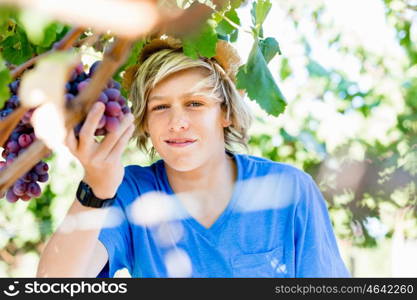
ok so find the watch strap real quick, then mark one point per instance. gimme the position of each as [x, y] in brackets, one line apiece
[86, 197]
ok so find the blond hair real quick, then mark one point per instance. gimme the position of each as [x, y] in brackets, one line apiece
[169, 61]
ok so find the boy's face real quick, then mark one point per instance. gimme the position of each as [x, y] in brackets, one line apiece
[186, 127]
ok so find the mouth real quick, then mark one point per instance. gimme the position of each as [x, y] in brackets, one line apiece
[180, 142]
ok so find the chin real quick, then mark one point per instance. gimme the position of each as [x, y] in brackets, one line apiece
[183, 163]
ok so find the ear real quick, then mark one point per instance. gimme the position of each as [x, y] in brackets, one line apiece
[145, 127]
[226, 122]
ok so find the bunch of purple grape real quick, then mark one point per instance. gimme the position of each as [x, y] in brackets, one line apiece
[27, 187]
[116, 104]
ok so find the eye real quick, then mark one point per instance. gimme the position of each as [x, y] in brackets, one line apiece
[159, 107]
[195, 104]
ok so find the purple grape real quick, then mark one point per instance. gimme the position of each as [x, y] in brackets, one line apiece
[26, 117]
[11, 197]
[43, 177]
[103, 98]
[31, 176]
[41, 168]
[33, 190]
[68, 87]
[73, 76]
[10, 158]
[4, 113]
[102, 122]
[122, 101]
[69, 97]
[100, 131]
[21, 151]
[14, 136]
[2, 165]
[20, 187]
[112, 124]
[13, 102]
[93, 68]
[112, 94]
[74, 89]
[26, 197]
[113, 109]
[4, 153]
[79, 69]
[77, 129]
[82, 85]
[14, 86]
[81, 77]
[126, 109]
[116, 85]
[24, 140]
[12, 146]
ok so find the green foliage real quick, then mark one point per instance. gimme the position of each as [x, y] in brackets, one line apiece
[269, 48]
[16, 48]
[259, 12]
[202, 43]
[258, 82]
[4, 81]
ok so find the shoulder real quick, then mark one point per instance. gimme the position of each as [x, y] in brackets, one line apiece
[269, 184]
[259, 166]
[138, 180]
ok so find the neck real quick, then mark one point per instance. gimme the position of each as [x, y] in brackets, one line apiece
[217, 173]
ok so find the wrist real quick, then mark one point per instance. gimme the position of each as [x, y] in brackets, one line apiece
[98, 190]
[86, 197]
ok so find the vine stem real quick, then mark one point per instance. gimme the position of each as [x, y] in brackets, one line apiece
[233, 24]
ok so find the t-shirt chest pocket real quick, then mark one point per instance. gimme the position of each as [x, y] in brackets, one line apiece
[263, 264]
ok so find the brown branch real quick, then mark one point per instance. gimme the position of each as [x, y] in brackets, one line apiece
[22, 164]
[112, 60]
[66, 43]
[7, 125]
[69, 39]
[78, 108]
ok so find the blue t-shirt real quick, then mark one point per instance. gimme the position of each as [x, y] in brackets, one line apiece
[275, 225]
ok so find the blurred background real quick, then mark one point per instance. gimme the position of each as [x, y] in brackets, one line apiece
[348, 70]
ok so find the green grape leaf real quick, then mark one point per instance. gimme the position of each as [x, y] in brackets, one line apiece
[16, 49]
[224, 27]
[316, 70]
[259, 12]
[234, 36]
[5, 79]
[133, 56]
[258, 82]
[269, 48]
[201, 44]
[285, 70]
[49, 36]
[7, 28]
[236, 3]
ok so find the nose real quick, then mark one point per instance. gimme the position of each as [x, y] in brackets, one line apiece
[178, 121]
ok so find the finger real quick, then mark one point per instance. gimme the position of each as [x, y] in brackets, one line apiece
[71, 141]
[90, 125]
[111, 138]
[121, 143]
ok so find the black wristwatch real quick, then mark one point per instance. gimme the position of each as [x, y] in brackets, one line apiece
[87, 198]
